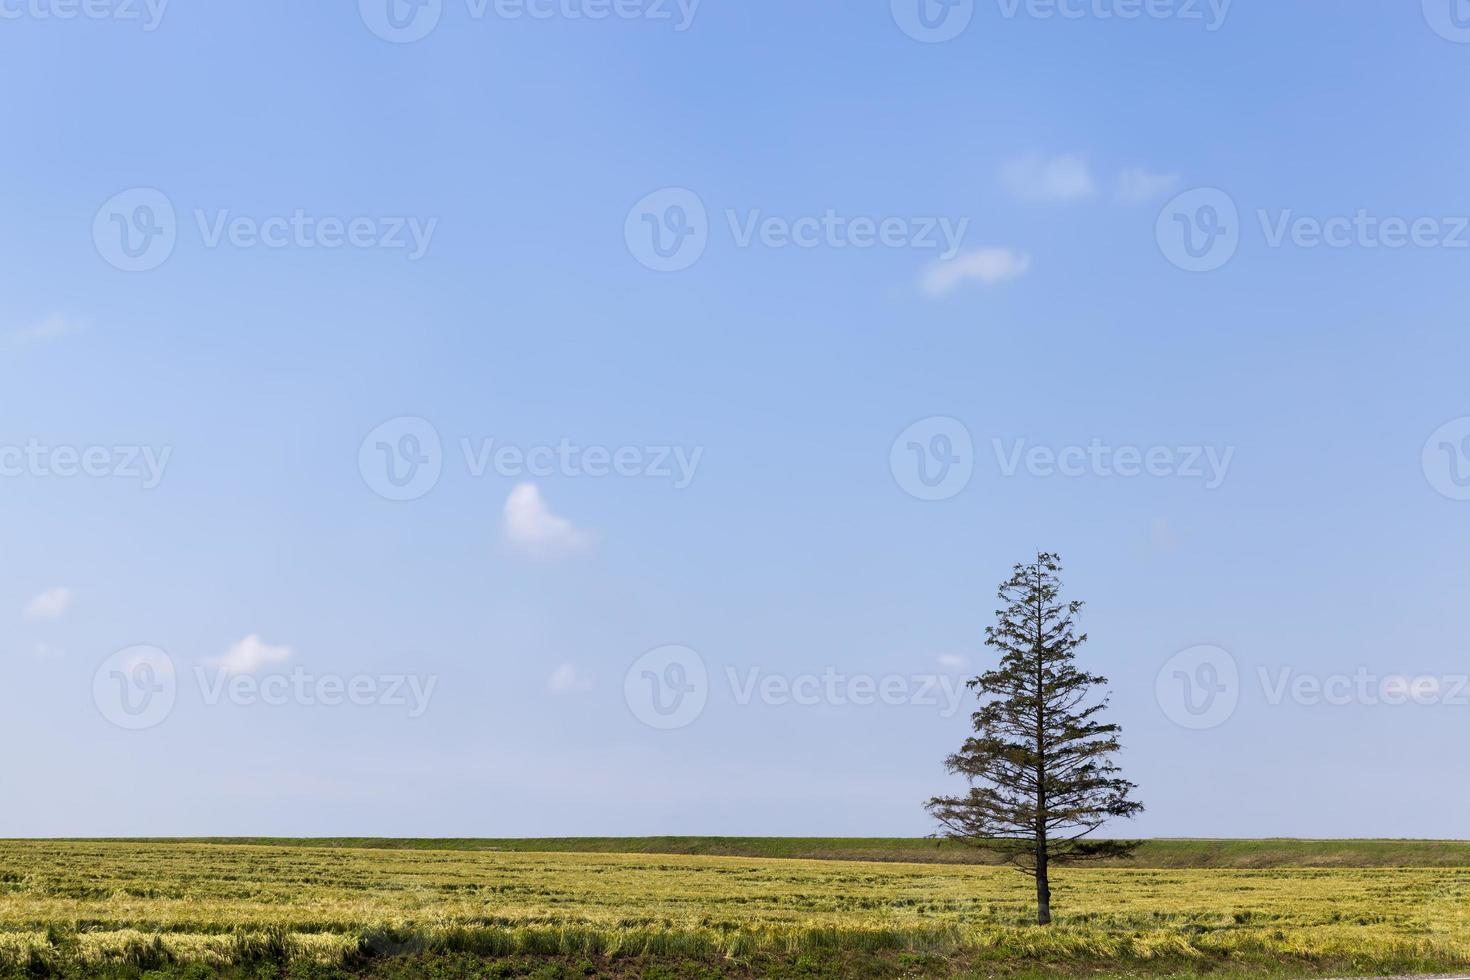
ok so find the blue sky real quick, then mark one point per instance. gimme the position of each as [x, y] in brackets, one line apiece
[242, 402]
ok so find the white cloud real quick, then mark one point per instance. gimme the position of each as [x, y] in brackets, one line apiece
[1138, 186]
[49, 328]
[953, 661]
[566, 679]
[49, 604]
[249, 655]
[1037, 179]
[986, 265]
[533, 528]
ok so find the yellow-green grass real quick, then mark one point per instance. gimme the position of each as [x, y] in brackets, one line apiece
[1176, 853]
[99, 903]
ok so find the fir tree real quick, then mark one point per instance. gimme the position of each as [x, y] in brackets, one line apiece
[1040, 761]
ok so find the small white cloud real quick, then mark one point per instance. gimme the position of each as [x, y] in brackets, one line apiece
[566, 679]
[249, 655]
[533, 528]
[1038, 179]
[986, 265]
[44, 651]
[50, 328]
[1138, 186]
[49, 604]
[953, 661]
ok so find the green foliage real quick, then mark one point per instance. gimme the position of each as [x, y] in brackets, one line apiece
[1040, 761]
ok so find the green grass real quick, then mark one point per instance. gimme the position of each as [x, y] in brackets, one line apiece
[179, 910]
[1181, 853]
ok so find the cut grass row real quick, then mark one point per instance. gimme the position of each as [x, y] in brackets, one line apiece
[1174, 853]
[107, 907]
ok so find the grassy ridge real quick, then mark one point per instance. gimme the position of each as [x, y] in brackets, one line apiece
[1173, 853]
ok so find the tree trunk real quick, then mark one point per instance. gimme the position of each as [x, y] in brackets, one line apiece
[1043, 883]
[1043, 889]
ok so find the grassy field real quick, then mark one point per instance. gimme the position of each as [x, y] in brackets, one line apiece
[257, 910]
[918, 850]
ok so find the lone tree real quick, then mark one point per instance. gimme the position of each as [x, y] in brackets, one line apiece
[1039, 766]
